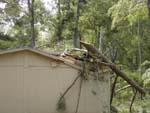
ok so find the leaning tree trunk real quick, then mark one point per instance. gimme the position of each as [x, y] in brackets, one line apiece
[93, 51]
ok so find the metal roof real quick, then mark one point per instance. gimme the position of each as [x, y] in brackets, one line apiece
[51, 55]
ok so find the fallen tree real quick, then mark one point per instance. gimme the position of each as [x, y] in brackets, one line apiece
[95, 53]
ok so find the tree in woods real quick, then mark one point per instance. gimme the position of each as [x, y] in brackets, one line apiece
[17, 21]
[148, 6]
[9, 13]
[60, 22]
[76, 31]
[31, 13]
[129, 13]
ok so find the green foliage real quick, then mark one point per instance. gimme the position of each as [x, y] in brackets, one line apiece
[128, 12]
[146, 78]
[146, 64]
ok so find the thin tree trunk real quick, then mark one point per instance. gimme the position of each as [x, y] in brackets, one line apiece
[79, 95]
[66, 91]
[100, 38]
[113, 89]
[59, 25]
[32, 24]
[113, 53]
[134, 96]
[31, 12]
[76, 32]
[97, 32]
[148, 6]
[58, 5]
[139, 46]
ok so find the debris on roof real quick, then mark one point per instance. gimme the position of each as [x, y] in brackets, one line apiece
[76, 57]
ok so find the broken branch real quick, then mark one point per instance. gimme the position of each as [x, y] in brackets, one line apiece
[93, 51]
[69, 88]
[123, 88]
[113, 89]
[78, 101]
[133, 101]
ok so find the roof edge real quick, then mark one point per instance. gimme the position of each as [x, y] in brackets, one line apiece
[43, 53]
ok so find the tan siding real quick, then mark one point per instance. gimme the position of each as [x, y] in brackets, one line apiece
[31, 83]
[38, 60]
[11, 92]
[12, 59]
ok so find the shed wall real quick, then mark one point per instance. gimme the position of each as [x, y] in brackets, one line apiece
[31, 83]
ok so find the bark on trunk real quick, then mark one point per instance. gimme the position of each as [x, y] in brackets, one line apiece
[76, 33]
[31, 12]
[148, 6]
[139, 46]
[60, 23]
[95, 52]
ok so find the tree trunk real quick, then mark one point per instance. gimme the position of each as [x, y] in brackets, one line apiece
[100, 38]
[113, 53]
[58, 6]
[148, 6]
[76, 32]
[31, 12]
[59, 24]
[139, 46]
[96, 53]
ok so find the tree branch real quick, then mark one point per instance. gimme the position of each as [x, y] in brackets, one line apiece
[113, 89]
[125, 87]
[62, 96]
[132, 101]
[95, 52]
[79, 96]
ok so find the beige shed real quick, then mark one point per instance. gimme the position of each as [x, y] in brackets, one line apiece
[32, 81]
